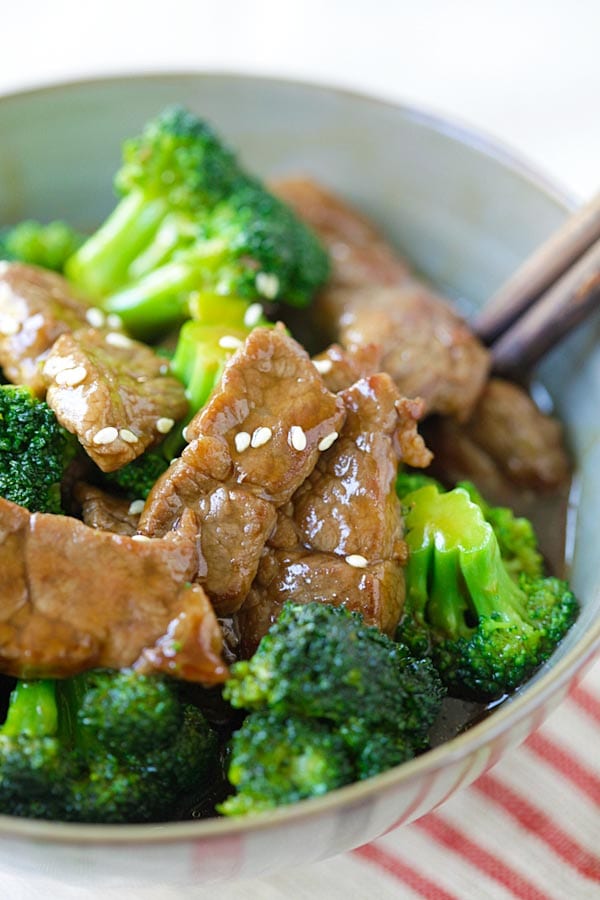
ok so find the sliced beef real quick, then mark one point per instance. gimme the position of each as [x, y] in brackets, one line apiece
[74, 598]
[372, 298]
[105, 511]
[113, 393]
[359, 254]
[36, 307]
[426, 347]
[507, 441]
[341, 368]
[339, 539]
[251, 447]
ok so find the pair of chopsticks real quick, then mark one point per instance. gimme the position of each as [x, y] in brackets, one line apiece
[552, 292]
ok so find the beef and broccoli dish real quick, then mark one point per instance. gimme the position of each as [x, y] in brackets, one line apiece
[237, 571]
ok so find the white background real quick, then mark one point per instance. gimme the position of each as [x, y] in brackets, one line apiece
[526, 72]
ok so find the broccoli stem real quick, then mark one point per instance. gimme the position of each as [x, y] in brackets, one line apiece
[101, 266]
[32, 710]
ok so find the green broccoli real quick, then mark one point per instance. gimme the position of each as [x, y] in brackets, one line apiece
[101, 747]
[35, 451]
[486, 632]
[40, 245]
[192, 220]
[137, 478]
[321, 667]
[278, 760]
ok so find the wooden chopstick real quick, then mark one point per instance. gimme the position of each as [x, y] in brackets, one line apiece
[539, 272]
[556, 312]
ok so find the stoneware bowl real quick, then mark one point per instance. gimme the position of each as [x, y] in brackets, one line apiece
[465, 212]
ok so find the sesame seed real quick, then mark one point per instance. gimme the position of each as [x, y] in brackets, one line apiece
[267, 284]
[71, 377]
[136, 507]
[323, 366]
[114, 321]
[297, 438]
[261, 436]
[116, 339]
[326, 442]
[163, 369]
[164, 425]
[140, 537]
[242, 441]
[253, 315]
[9, 326]
[229, 342]
[106, 435]
[57, 364]
[357, 561]
[184, 433]
[95, 317]
[128, 436]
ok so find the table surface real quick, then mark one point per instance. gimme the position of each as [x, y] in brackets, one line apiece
[527, 74]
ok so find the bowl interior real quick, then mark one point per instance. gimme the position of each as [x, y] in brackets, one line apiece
[462, 209]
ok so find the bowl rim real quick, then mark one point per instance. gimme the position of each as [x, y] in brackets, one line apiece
[521, 704]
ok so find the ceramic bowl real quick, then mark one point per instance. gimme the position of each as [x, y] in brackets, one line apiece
[465, 212]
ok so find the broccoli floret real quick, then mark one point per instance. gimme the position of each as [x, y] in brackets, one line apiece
[101, 747]
[35, 451]
[278, 760]
[40, 245]
[171, 174]
[408, 480]
[191, 220]
[322, 666]
[487, 633]
[137, 478]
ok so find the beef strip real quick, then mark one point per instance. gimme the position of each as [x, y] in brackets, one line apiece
[339, 539]
[372, 298]
[250, 448]
[36, 307]
[507, 439]
[341, 368]
[75, 598]
[102, 510]
[113, 393]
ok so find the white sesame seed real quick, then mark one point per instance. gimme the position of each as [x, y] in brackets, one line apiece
[242, 441]
[297, 438]
[106, 435]
[128, 436]
[326, 442]
[57, 364]
[95, 317]
[229, 342]
[140, 537]
[184, 433]
[253, 315]
[114, 321]
[323, 366]
[164, 425]
[357, 561]
[9, 326]
[267, 284]
[136, 507]
[164, 369]
[116, 339]
[71, 377]
[261, 436]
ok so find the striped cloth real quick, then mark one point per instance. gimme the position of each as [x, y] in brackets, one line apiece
[529, 829]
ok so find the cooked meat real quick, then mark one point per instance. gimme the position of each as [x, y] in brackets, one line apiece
[75, 598]
[250, 448]
[359, 254]
[104, 511]
[36, 307]
[506, 439]
[113, 393]
[339, 539]
[341, 368]
[427, 348]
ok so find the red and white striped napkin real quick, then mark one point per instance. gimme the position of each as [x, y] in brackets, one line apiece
[530, 829]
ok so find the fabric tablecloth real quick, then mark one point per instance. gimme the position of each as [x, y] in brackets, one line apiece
[529, 828]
